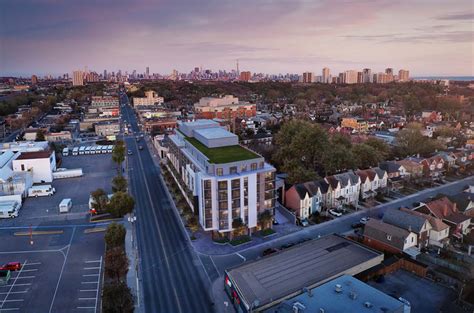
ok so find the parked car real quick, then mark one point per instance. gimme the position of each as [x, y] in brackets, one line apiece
[269, 251]
[11, 266]
[357, 225]
[364, 220]
[287, 245]
[140, 147]
[129, 152]
[335, 213]
[4, 277]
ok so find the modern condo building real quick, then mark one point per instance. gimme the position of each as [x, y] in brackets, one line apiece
[228, 182]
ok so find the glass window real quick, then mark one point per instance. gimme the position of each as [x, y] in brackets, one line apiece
[253, 166]
[243, 168]
[222, 184]
[235, 183]
[219, 171]
[233, 170]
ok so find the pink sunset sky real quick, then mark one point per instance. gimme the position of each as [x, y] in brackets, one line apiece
[427, 37]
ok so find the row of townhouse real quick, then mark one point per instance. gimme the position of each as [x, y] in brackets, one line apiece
[432, 168]
[409, 230]
[335, 191]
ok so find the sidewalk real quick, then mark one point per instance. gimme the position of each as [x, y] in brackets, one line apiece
[133, 280]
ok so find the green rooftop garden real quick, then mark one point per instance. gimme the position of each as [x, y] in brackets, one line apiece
[222, 155]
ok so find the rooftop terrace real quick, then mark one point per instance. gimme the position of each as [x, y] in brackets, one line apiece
[225, 154]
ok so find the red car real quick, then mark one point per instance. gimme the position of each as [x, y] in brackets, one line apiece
[11, 266]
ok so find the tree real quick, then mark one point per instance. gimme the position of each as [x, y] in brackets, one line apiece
[118, 153]
[300, 148]
[120, 204]
[265, 219]
[40, 135]
[117, 298]
[365, 156]
[193, 223]
[410, 141]
[115, 236]
[382, 148]
[119, 183]
[337, 158]
[116, 263]
[99, 200]
[238, 226]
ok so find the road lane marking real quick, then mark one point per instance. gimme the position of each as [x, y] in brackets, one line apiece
[31, 270]
[89, 282]
[16, 285]
[240, 255]
[26, 277]
[15, 300]
[10, 309]
[14, 292]
[19, 273]
[86, 307]
[62, 270]
[98, 286]
[91, 268]
[86, 299]
[94, 261]
[87, 275]
[88, 290]
[30, 264]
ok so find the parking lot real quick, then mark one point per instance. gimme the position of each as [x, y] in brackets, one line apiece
[98, 172]
[424, 295]
[61, 272]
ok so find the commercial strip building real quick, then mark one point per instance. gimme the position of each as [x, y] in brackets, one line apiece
[226, 107]
[259, 285]
[227, 181]
[104, 101]
[343, 294]
[151, 98]
[107, 128]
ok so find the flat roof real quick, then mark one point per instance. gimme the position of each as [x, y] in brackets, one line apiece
[286, 273]
[214, 133]
[34, 155]
[351, 295]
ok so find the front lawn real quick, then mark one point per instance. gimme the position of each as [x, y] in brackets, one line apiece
[240, 240]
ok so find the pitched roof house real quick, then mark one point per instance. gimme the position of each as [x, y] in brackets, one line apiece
[386, 237]
[447, 211]
[439, 232]
[413, 223]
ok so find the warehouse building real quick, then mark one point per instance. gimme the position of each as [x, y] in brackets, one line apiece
[264, 283]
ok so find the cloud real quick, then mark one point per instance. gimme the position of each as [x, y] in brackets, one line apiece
[425, 37]
[456, 16]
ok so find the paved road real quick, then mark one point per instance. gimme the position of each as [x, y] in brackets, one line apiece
[172, 276]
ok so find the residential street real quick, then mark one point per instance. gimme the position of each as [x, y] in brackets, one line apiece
[171, 275]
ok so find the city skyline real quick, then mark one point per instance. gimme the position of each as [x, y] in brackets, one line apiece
[46, 37]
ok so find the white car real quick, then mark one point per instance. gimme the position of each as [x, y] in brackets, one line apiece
[335, 213]
[364, 220]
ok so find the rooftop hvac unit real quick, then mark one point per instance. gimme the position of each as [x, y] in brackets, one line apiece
[367, 304]
[338, 288]
[298, 307]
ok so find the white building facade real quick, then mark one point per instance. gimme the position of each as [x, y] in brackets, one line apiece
[227, 181]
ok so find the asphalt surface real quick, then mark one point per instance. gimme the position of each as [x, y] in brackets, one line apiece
[61, 272]
[171, 275]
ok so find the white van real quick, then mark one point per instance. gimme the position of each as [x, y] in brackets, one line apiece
[41, 190]
[65, 205]
[75, 151]
[9, 209]
[88, 150]
[110, 148]
[93, 149]
[82, 149]
[65, 151]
